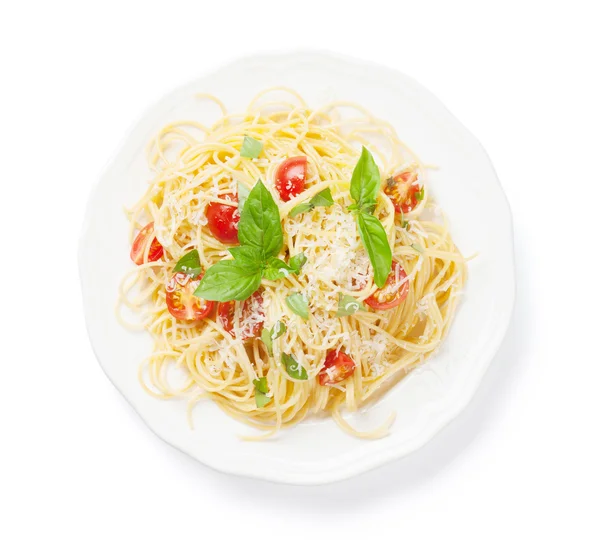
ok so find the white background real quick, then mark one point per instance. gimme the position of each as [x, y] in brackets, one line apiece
[517, 472]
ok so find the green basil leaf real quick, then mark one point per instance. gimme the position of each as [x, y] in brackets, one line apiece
[243, 193]
[420, 194]
[348, 305]
[296, 262]
[267, 339]
[260, 223]
[247, 257]
[261, 385]
[278, 330]
[366, 180]
[293, 368]
[251, 148]
[189, 264]
[228, 281]
[323, 198]
[302, 207]
[261, 399]
[376, 244]
[298, 304]
[418, 248]
[269, 336]
[277, 269]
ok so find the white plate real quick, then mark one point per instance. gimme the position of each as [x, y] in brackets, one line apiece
[467, 188]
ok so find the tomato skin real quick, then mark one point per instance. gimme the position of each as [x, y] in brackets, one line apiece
[223, 220]
[138, 248]
[384, 300]
[403, 189]
[290, 178]
[337, 367]
[226, 314]
[182, 303]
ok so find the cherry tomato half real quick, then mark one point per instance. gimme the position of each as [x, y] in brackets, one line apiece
[290, 177]
[181, 301]
[338, 366]
[404, 190]
[393, 292]
[223, 220]
[141, 241]
[252, 320]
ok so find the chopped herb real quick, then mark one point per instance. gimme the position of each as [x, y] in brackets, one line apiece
[278, 269]
[260, 392]
[323, 198]
[293, 368]
[251, 148]
[267, 339]
[300, 208]
[297, 261]
[348, 305]
[298, 304]
[189, 264]
[268, 336]
[278, 330]
[420, 194]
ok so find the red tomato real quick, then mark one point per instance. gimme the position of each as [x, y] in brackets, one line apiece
[141, 241]
[338, 366]
[223, 220]
[392, 293]
[181, 301]
[290, 177]
[403, 189]
[252, 320]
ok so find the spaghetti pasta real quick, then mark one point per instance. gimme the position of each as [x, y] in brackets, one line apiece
[194, 167]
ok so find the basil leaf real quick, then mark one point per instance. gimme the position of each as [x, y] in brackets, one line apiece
[418, 248]
[189, 264]
[251, 148]
[260, 392]
[302, 207]
[261, 399]
[228, 280]
[296, 262]
[293, 368]
[298, 304]
[261, 385]
[376, 243]
[420, 194]
[277, 269]
[260, 223]
[269, 336]
[366, 180]
[267, 339]
[323, 198]
[348, 305]
[247, 257]
[278, 330]
[243, 193]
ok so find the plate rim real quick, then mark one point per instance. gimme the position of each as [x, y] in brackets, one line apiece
[467, 390]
